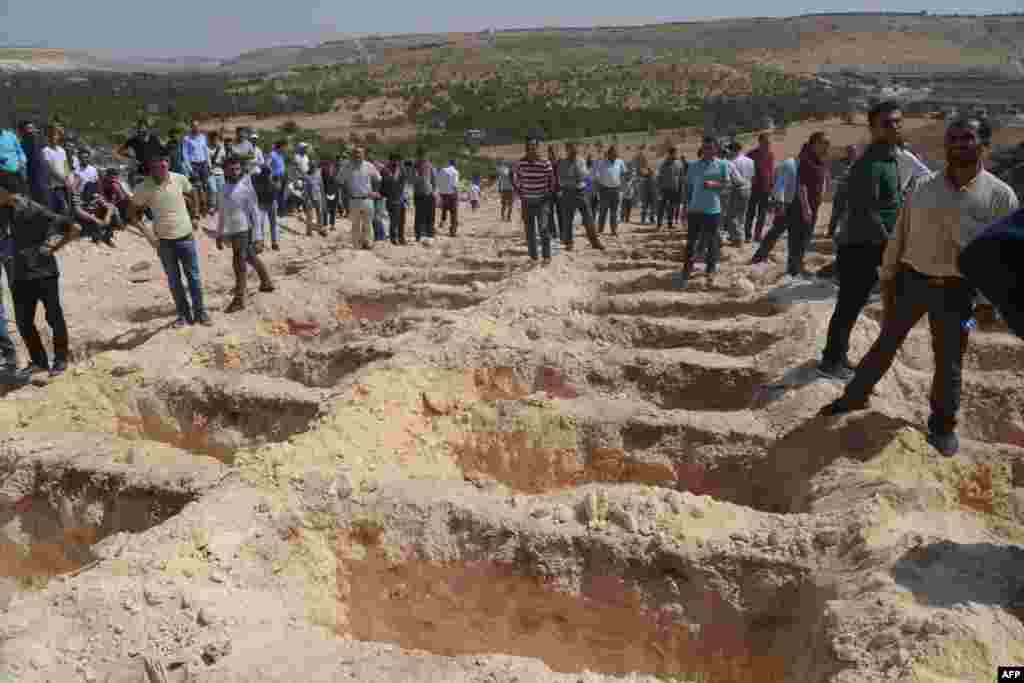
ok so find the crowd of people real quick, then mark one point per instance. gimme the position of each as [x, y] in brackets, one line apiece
[898, 225]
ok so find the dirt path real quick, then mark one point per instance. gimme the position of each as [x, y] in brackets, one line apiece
[438, 463]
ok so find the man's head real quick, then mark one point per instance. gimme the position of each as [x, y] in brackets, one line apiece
[672, 152]
[214, 137]
[300, 148]
[85, 156]
[54, 134]
[852, 152]
[531, 148]
[233, 169]
[967, 139]
[26, 128]
[160, 166]
[764, 141]
[11, 186]
[709, 147]
[570, 150]
[819, 144]
[553, 152]
[885, 120]
[451, 163]
[194, 127]
[254, 137]
[358, 154]
[613, 153]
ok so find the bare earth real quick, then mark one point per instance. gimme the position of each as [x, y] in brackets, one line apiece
[437, 463]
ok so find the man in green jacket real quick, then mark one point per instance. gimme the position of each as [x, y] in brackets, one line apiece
[873, 202]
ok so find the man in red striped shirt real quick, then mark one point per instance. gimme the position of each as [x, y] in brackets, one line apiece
[534, 181]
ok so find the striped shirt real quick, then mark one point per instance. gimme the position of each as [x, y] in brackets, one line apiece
[534, 179]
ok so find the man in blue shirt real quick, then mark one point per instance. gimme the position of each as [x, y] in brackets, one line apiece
[278, 175]
[608, 173]
[705, 180]
[196, 151]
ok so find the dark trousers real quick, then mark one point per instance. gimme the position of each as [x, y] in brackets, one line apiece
[704, 234]
[838, 208]
[556, 216]
[534, 211]
[609, 202]
[627, 209]
[60, 203]
[450, 207]
[648, 209]
[948, 305]
[800, 233]
[757, 211]
[858, 275]
[423, 220]
[332, 210]
[667, 206]
[396, 225]
[26, 295]
[177, 256]
[243, 254]
[571, 202]
[8, 355]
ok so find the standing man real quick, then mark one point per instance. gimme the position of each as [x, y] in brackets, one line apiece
[169, 196]
[554, 221]
[392, 187]
[782, 196]
[873, 198]
[448, 189]
[142, 146]
[360, 177]
[34, 235]
[920, 275]
[507, 192]
[197, 150]
[534, 180]
[760, 187]
[279, 175]
[608, 174]
[571, 182]
[59, 169]
[839, 188]
[424, 196]
[739, 196]
[705, 180]
[218, 156]
[37, 173]
[670, 182]
[239, 217]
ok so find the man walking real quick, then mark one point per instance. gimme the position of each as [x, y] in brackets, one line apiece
[360, 177]
[670, 182]
[240, 214]
[801, 214]
[760, 187]
[920, 275]
[448, 189]
[279, 175]
[534, 180]
[424, 186]
[34, 234]
[608, 173]
[168, 196]
[839, 191]
[392, 188]
[705, 180]
[571, 187]
[740, 192]
[873, 199]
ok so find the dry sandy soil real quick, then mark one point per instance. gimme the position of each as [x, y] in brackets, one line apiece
[437, 463]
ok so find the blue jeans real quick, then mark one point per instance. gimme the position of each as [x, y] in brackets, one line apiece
[536, 213]
[268, 215]
[176, 256]
[216, 183]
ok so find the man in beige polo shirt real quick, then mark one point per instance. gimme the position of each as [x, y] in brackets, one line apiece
[919, 275]
[168, 195]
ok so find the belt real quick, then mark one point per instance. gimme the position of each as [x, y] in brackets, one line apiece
[937, 280]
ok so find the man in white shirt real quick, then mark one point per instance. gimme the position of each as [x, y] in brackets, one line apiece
[742, 173]
[301, 159]
[239, 217]
[359, 178]
[59, 167]
[448, 188]
[608, 174]
[86, 171]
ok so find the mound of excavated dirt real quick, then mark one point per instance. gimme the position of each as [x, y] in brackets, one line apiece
[437, 463]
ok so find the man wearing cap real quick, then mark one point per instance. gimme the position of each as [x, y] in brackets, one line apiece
[169, 196]
[360, 176]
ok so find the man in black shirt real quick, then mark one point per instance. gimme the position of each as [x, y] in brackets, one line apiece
[37, 233]
[144, 145]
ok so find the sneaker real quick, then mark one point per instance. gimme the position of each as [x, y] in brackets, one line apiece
[946, 443]
[180, 323]
[841, 407]
[59, 368]
[567, 245]
[205, 321]
[268, 287]
[547, 261]
[837, 371]
[680, 280]
[235, 306]
[32, 369]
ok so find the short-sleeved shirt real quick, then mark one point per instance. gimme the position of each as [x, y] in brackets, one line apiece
[171, 220]
[31, 225]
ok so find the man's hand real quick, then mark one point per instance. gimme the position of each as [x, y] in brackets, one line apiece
[220, 244]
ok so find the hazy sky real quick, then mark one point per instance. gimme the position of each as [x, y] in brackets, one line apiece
[223, 28]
